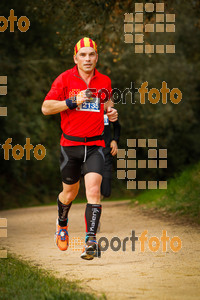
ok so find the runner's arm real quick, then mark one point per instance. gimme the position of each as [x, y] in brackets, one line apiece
[52, 107]
[117, 130]
[108, 103]
[115, 140]
[111, 111]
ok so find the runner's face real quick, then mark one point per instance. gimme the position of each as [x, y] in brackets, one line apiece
[86, 59]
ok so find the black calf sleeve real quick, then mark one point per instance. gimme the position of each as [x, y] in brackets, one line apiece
[63, 210]
[92, 217]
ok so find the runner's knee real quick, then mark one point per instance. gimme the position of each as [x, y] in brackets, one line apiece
[67, 196]
[93, 191]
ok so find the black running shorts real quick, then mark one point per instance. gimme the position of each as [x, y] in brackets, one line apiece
[77, 160]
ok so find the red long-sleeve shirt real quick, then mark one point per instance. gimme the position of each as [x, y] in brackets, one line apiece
[87, 119]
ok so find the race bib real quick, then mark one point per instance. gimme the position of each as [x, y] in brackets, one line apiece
[92, 105]
[106, 121]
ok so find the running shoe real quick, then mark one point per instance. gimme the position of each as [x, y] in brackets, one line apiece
[91, 250]
[62, 237]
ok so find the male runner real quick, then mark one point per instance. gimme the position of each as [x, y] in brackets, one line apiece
[81, 95]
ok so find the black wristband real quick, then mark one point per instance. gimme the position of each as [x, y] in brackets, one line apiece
[71, 103]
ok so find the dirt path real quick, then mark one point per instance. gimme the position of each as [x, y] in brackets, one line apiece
[120, 275]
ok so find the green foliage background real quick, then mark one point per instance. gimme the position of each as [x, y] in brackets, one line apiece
[32, 60]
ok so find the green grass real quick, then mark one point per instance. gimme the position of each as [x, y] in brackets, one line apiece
[181, 197]
[19, 280]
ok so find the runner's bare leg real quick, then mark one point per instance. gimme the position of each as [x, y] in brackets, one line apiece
[93, 207]
[92, 186]
[69, 192]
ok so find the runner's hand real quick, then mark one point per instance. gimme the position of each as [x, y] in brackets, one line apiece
[112, 114]
[114, 148]
[82, 97]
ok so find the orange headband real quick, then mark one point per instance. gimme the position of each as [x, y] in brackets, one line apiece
[85, 42]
